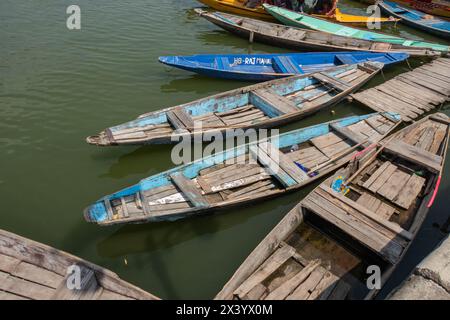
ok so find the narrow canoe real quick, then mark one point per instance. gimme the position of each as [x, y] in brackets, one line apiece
[244, 174]
[33, 271]
[301, 20]
[322, 248]
[265, 105]
[264, 67]
[237, 7]
[301, 39]
[417, 19]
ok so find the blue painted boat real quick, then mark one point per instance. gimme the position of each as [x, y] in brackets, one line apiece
[264, 67]
[247, 173]
[417, 19]
[263, 105]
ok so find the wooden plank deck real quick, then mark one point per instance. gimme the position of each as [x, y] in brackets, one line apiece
[413, 93]
[33, 271]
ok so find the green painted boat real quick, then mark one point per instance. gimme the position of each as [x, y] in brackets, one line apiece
[297, 19]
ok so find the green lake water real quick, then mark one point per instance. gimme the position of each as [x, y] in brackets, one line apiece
[58, 86]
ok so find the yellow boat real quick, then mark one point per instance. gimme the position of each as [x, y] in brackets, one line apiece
[238, 7]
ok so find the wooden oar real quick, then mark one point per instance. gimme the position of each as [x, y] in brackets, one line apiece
[438, 182]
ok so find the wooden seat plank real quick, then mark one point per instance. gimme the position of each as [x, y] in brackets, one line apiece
[285, 162]
[335, 82]
[411, 153]
[272, 166]
[184, 117]
[357, 229]
[347, 133]
[271, 103]
[393, 227]
[189, 190]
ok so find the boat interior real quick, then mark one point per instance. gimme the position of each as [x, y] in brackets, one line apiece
[341, 234]
[246, 108]
[246, 172]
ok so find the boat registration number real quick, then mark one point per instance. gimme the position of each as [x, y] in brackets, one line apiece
[251, 61]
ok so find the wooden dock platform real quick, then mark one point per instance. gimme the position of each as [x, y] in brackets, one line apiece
[33, 271]
[413, 93]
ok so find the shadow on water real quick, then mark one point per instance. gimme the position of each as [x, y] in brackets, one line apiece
[140, 161]
[200, 84]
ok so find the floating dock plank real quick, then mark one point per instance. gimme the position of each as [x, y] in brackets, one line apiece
[33, 271]
[413, 93]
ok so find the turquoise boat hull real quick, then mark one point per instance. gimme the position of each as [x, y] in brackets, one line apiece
[297, 19]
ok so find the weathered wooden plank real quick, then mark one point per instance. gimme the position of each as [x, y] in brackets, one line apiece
[347, 133]
[393, 185]
[381, 169]
[8, 264]
[426, 139]
[37, 274]
[410, 191]
[279, 104]
[437, 140]
[272, 166]
[440, 119]
[253, 187]
[393, 227]
[368, 201]
[411, 153]
[89, 288]
[334, 149]
[330, 80]
[364, 234]
[325, 286]
[303, 291]
[189, 189]
[288, 287]
[266, 269]
[382, 178]
[184, 117]
[326, 140]
[286, 164]
[24, 288]
[174, 121]
[240, 182]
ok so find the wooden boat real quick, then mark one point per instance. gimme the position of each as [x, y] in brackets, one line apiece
[238, 7]
[33, 271]
[302, 39]
[321, 249]
[435, 7]
[301, 20]
[264, 67]
[243, 174]
[264, 105]
[417, 19]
